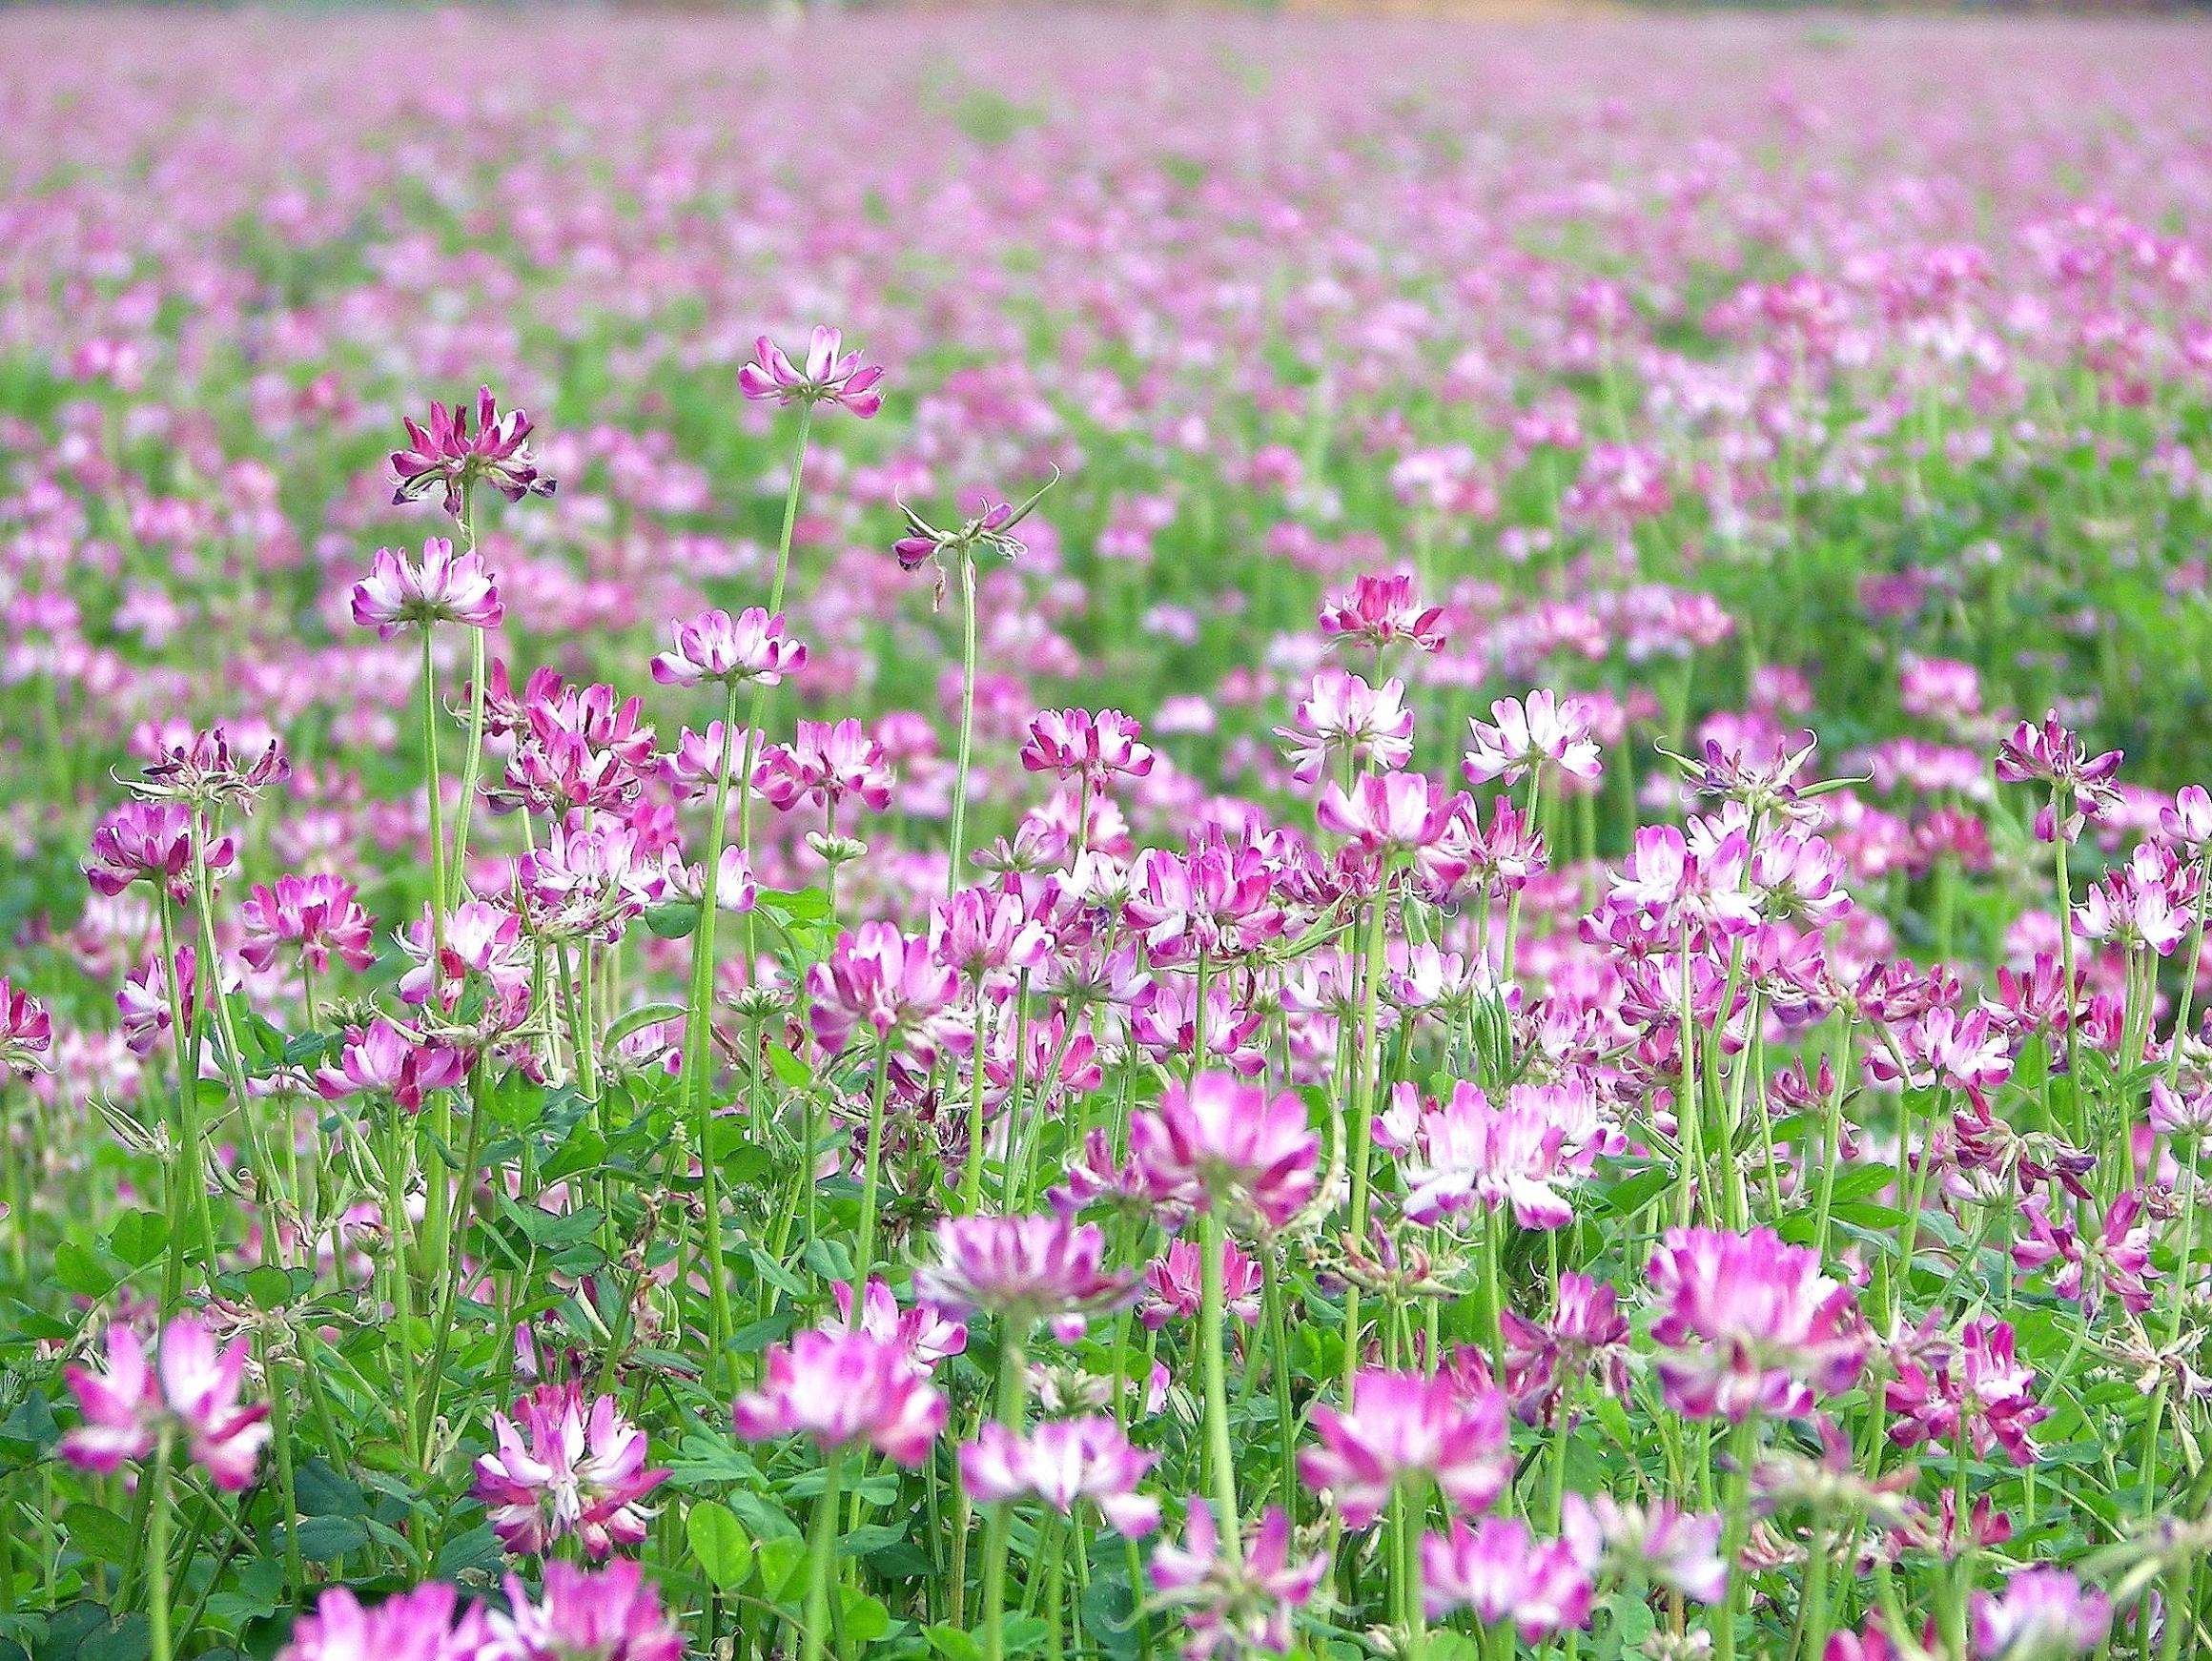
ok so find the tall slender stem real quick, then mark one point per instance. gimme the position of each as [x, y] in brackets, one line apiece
[698, 1046]
[959, 849]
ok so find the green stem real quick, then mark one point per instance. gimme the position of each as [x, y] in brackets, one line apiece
[959, 849]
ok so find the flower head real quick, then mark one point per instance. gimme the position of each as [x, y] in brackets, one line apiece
[1220, 1142]
[751, 647]
[1062, 1462]
[557, 1470]
[1407, 1423]
[841, 1387]
[1750, 1324]
[1232, 1603]
[831, 376]
[441, 586]
[190, 1392]
[448, 457]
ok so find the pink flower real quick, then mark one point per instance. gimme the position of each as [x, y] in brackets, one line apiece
[1980, 1387]
[1061, 1462]
[443, 586]
[319, 914]
[612, 1614]
[417, 1624]
[151, 842]
[1076, 744]
[1172, 1284]
[448, 457]
[1530, 735]
[885, 984]
[714, 647]
[191, 1393]
[1220, 1141]
[1386, 813]
[1496, 1570]
[924, 1333]
[1969, 1053]
[1231, 1602]
[1401, 1424]
[984, 931]
[841, 1387]
[831, 375]
[2080, 784]
[1477, 1154]
[1677, 1549]
[1378, 611]
[1750, 1324]
[1022, 1269]
[26, 1031]
[2042, 1614]
[385, 1059]
[825, 763]
[1344, 719]
[561, 1472]
[1216, 899]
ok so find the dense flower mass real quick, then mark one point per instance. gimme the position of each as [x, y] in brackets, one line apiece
[1443, 895]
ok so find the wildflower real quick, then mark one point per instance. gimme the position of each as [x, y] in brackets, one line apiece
[208, 768]
[561, 1471]
[825, 763]
[1529, 736]
[831, 375]
[885, 984]
[1678, 1549]
[26, 1031]
[2042, 1614]
[1401, 1424]
[418, 1625]
[841, 1387]
[1980, 1388]
[1231, 1602]
[1498, 1571]
[1477, 1154]
[319, 914]
[449, 456]
[383, 1059]
[2080, 784]
[1222, 1142]
[612, 1614]
[1750, 1324]
[1214, 899]
[1386, 813]
[923, 1332]
[1378, 611]
[151, 842]
[1076, 744]
[753, 646]
[191, 1391]
[1172, 1285]
[1060, 1462]
[443, 586]
[1342, 721]
[2086, 1267]
[1022, 1269]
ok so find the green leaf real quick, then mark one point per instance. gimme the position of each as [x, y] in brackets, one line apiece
[953, 1643]
[781, 1564]
[98, 1533]
[719, 1544]
[321, 1539]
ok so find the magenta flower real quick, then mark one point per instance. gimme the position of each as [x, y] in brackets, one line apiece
[825, 763]
[1531, 735]
[1217, 900]
[1401, 1424]
[2042, 1614]
[1661, 1543]
[561, 1471]
[1750, 1324]
[449, 458]
[924, 1333]
[1172, 1284]
[443, 586]
[385, 1059]
[2087, 1266]
[1980, 1387]
[1378, 611]
[26, 1031]
[1343, 721]
[1230, 1603]
[1963, 1052]
[1477, 1154]
[1062, 1462]
[841, 1387]
[417, 1624]
[151, 842]
[612, 1614]
[1222, 1142]
[1387, 813]
[1021, 1269]
[2081, 786]
[191, 1393]
[831, 375]
[1076, 744]
[317, 916]
[207, 768]
[886, 986]
[1499, 1572]
[752, 646]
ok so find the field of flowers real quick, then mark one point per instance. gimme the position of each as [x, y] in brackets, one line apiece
[1224, 837]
